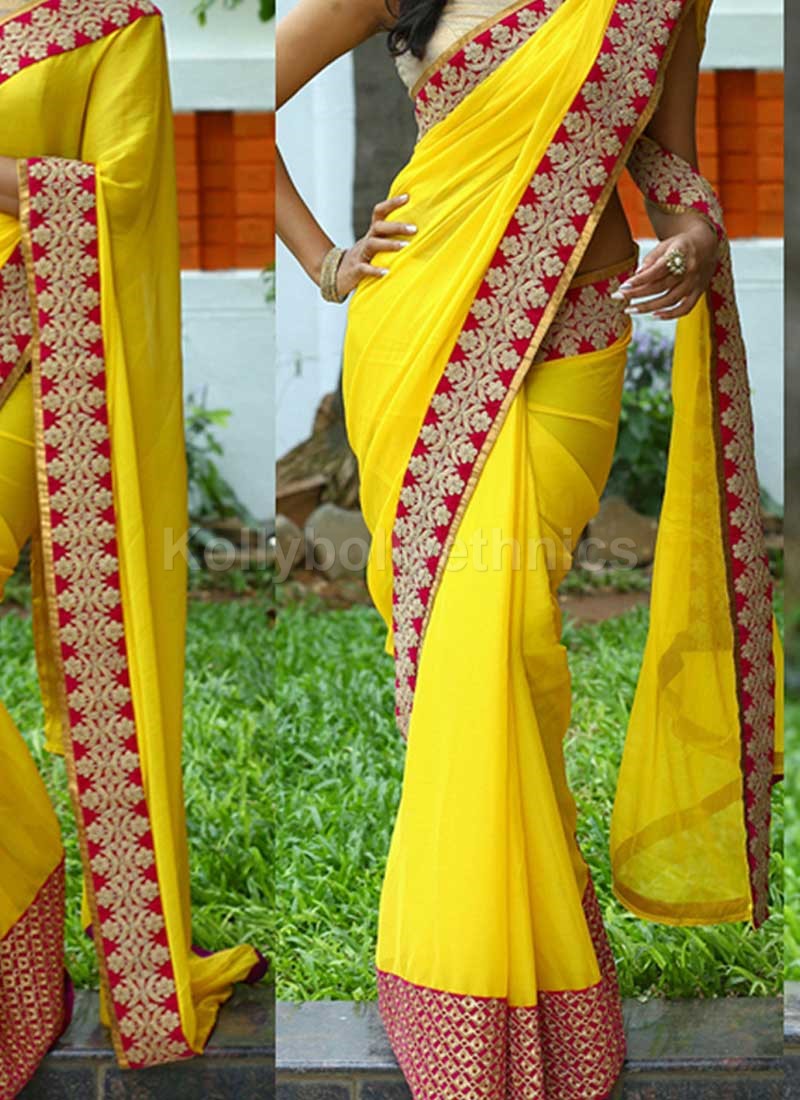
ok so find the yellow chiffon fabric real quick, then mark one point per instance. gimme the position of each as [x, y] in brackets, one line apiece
[495, 911]
[107, 104]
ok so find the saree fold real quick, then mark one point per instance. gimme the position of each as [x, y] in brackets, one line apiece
[90, 323]
[482, 402]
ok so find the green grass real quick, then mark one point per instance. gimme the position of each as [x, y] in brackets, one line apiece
[792, 910]
[227, 755]
[340, 771]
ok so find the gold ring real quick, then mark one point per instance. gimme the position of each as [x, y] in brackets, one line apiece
[676, 262]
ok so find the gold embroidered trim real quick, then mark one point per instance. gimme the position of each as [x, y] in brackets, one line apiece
[32, 985]
[454, 75]
[81, 565]
[588, 319]
[42, 30]
[672, 184]
[453, 1046]
[515, 306]
[16, 327]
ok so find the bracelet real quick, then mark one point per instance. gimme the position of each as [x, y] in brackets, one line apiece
[328, 273]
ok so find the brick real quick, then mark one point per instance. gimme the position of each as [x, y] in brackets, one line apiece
[254, 203]
[769, 140]
[252, 231]
[736, 196]
[769, 112]
[215, 125]
[770, 84]
[217, 230]
[254, 151]
[708, 139]
[190, 258]
[188, 204]
[252, 178]
[739, 168]
[217, 257]
[187, 177]
[770, 198]
[707, 114]
[217, 204]
[707, 84]
[736, 138]
[217, 177]
[771, 225]
[189, 230]
[186, 150]
[770, 169]
[186, 125]
[259, 124]
[251, 256]
[740, 223]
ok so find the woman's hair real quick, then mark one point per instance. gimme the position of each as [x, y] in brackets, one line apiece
[416, 22]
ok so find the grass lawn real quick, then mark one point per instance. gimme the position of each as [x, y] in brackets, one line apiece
[227, 753]
[792, 939]
[339, 773]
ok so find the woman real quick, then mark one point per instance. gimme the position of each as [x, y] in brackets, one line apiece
[483, 367]
[92, 468]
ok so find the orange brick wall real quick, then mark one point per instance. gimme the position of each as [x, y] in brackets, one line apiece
[740, 142]
[226, 189]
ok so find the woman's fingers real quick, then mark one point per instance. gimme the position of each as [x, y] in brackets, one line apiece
[392, 229]
[373, 245]
[371, 269]
[383, 209]
[669, 298]
[681, 310]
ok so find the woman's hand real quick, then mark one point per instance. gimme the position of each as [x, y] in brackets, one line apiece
[9, 187]
[671, 296]
[382, 236]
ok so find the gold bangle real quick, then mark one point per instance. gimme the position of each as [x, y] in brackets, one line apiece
[328, 273]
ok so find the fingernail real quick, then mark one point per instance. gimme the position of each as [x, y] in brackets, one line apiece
[383, 270]
[618, 296]
[631, 310]
[627, 285]
[410, 228]
[402, 198]
[404, 244]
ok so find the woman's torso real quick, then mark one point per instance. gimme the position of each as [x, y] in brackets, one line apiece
[460, 20]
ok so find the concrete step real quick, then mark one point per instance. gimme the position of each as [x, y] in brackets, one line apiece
[792, 1042]
[239, 1061]
[678, 1050]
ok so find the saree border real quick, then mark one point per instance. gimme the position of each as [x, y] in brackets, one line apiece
[81, 565]
[32, 982]
[16, 329]
[467, 62]
[486, 1049]
[453, 443]
[674, 186]
[49, 28]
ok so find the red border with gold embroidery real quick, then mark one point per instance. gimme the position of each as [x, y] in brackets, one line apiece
[82, 572]
[32, 992]
[15, 323]
[672, 184]
[452, 1046]
[510, 315]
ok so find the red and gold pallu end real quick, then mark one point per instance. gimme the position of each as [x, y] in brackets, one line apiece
[676, 187]
[520, 293]
[15, 323]
[569, 1046]
[33, 1002]
[82, 580]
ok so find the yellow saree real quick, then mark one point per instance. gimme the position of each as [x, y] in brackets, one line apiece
[91, 414]
[482, 393]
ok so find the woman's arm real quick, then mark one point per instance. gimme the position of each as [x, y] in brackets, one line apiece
[9, 187]
[308, 38]
[673, 126]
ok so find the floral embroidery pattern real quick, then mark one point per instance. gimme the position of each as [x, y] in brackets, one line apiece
[463, 70]
[58, 26]
[672, 183]
[15, 322]
[452, 1046]
[505, 326]
[588, 320]
[32, 986]
[82, 560]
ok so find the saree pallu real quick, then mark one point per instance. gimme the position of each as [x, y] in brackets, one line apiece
[90, 334]
[484, 437]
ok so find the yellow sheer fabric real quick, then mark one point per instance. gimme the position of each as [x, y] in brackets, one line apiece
[107, 105]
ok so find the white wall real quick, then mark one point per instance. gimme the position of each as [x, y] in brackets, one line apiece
[229, 326]
[316, 133]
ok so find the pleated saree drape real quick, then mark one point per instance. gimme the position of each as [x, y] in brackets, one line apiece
[90, 380]
[484, 440]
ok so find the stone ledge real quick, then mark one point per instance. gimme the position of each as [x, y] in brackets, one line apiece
[238, 1064]
[677, 1050]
